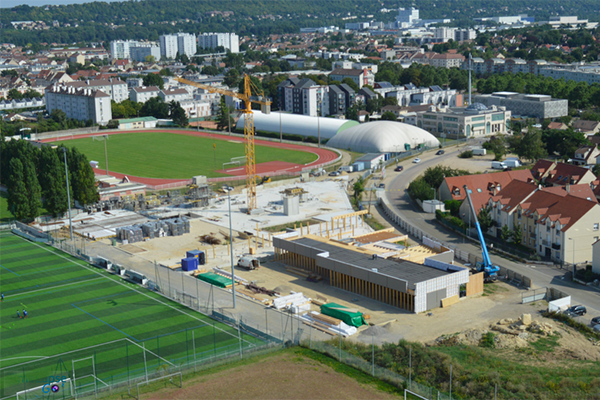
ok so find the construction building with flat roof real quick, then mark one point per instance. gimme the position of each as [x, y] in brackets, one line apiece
[377, 266]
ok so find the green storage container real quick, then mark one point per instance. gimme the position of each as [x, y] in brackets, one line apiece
[215, 279]
[352, 318]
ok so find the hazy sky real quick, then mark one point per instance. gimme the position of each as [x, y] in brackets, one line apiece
[12, 3]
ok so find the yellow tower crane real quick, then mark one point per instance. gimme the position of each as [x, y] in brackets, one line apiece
[248, 99]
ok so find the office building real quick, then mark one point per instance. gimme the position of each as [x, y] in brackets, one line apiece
[538, 106]
[407, 16]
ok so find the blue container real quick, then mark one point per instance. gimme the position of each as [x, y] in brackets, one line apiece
[193, 253]
[189, 264]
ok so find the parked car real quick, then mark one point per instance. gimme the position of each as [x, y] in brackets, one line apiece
[335, 173]
[596, 328]
[439, 152]
[381, 186]
[399, 168]
[416, 160]
[576, 311]
[595, 321]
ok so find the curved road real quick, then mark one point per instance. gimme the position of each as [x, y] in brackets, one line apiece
[541, 276]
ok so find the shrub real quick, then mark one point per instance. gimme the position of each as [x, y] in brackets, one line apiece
[453, 206]
[488, 341]
[466, 154]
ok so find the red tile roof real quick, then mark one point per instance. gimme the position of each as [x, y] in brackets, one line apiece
[559, 173]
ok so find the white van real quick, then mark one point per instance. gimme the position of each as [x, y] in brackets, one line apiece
[512, 163]
[498, 165]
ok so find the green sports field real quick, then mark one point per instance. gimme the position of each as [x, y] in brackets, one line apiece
[76, 311]
[175, 156]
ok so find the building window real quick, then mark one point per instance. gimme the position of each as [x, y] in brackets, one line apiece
[596, 225]
[557, 255]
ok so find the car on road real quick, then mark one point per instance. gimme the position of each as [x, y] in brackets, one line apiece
[381, 186]
[335, 173]
[595, 321]
[576, 311]
[439, 152]
[416, 160]
[399, 168]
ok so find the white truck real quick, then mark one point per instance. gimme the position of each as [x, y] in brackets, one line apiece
[512, 162]
[346, 168]
[479, 152]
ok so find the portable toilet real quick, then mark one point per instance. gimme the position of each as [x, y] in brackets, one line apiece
[189, 264]
[202, 258]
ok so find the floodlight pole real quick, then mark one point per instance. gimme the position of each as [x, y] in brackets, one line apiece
[68, 194]
[106, 153]
[229, 189]
[319, 129]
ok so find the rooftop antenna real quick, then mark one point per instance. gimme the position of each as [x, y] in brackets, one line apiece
[470, 67]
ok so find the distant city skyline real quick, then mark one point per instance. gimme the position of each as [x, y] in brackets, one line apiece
[38, 3]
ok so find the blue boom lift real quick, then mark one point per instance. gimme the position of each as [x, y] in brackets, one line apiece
[490, 270]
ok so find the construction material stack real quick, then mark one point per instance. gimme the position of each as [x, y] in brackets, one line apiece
[350, 316]
[295, 302]
[216, 280]
[155, 229]
[130, 234]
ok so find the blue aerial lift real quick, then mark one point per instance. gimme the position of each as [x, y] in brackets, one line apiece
[490, 270]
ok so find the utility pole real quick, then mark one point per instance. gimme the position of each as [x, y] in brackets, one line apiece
[106, 153]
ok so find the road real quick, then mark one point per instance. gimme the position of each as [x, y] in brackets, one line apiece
[541, 276]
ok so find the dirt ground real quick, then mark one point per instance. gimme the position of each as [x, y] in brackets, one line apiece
[281, 376]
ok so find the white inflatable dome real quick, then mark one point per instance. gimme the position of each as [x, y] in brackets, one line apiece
[382, 137]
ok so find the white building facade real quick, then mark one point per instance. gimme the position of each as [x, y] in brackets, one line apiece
[82, 104]
[230, 41]
[141, 51]
[168, 46]
[120, 49]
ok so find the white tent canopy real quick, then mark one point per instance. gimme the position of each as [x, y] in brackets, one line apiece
[297, 124]
[382, 137]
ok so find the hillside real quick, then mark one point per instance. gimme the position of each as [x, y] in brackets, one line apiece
[147, 19]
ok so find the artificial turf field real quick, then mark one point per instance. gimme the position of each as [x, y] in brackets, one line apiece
[77, 311]
[175, 156]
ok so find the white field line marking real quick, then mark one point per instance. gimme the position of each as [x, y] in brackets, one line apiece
[131, 288]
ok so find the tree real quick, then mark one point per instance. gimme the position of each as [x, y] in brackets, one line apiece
[232, 78]
[505, 233]
[14, 94]
[150, 59]
[177, 114]
[565, 143]
[82, 178]
[390, 101]
[18, 203]
[419, 189]
[34, 191]
[153, 80]
[485, 218]
[52, 180]
[351, 83]
[155, 107]
[224, 119]
[389, 116]
[529, 145]
[210, 70]
[496, 145]
[374, 105]
[352, 113]
[517, 235]
[359, 188]
[58, 116]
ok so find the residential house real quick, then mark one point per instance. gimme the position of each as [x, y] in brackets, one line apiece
[349, 93]
[587, 127]
[586, 155]
[337, 101]
[359, 76]
[551, 173]
[561, 126]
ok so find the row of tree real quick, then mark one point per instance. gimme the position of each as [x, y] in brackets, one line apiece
[36, 177]
[153, 107]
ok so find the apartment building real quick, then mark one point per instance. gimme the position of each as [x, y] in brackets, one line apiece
[80, 103]
[141, 51]
[174, 95]
[552, 173]
[230, 41]
[168, 46]
[120, 49]
[557, 222]
[116, 89]
[143, 94]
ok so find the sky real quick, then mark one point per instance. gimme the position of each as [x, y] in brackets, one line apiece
[12, 3]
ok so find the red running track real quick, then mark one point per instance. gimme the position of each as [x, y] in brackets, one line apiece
[269, 168]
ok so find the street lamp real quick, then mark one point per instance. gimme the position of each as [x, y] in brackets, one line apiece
[228, 189]
[68, 194]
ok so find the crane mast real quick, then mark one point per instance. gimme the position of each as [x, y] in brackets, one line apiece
[250, 154]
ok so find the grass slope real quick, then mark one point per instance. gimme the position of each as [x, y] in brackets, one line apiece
[171, 155]
[72, 307]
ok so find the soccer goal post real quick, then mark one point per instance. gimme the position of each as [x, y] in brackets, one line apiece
[170, 376]
[52, 391]
[236, 163]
